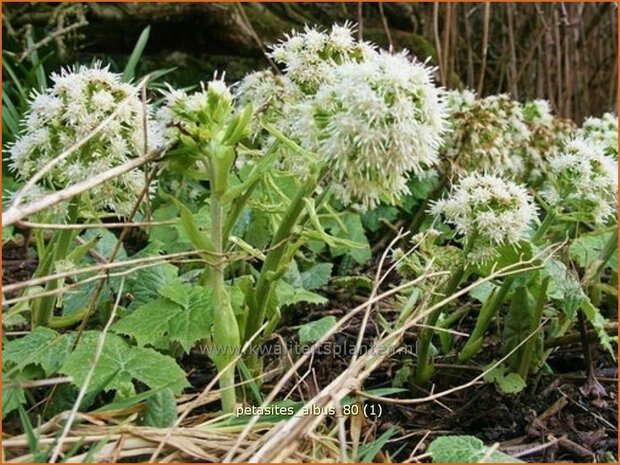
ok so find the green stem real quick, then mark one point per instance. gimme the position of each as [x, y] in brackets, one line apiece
[225, 328]
[597, 266]
[272, 264]
[58, 322]
[424, 368]
[487, 312]
[43, 309]
[525, 358]
[544, 226]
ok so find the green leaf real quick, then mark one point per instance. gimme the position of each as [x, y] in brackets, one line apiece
[369, 451]
[161, 409]
[317, 276]
[120, 364]
[12, 395]
[290, 295]
[105, 243]
[512, 383]
[586, 249]
[190, 225]
[465, 449]
[42, 346]
[508, 254]
[167, 235]
[354, 231]
[144, 284]
[506, 383]
[258, 233]
[130, 69]
[598, 321]
[482, 292]
[372, 219]
[315, 330]
[183, 315]
[564, 288]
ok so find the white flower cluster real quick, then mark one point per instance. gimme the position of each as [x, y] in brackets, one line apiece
[502, 135]
[603, 130]
[272, 97]
[458, 100]
[373, 124]
[76, 103]
[309, 57]
[548, 134]
[371, 116]
[583, 181]
[188, 114]
[487, 210]
[486, 134]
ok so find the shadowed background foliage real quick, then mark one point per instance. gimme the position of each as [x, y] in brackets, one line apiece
[564, 52]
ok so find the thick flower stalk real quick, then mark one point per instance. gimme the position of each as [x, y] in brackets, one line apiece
[488, 211]
[205, 128]
[374, 119]
[583, 182]
[603, 130]
[76, 103]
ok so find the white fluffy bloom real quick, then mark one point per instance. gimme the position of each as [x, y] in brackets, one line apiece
[487, 210]
[271, 96]
[584, 181]
[372, 117]
[548, 135]
[538, 110]
[374, 123]
[459, 100]
[185, 113]
[76, 103]
[309, 57]
[487, 134]
[603, 130]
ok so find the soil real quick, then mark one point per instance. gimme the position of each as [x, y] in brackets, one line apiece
[552, 420]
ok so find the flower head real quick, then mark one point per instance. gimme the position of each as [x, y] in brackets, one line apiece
[459, 100]
[584, 181]
[603, 130]
[487, 210]
[548, 134]
[487, 134]
[78, 101]
[187, 114]
[309, 57]
[375, 122]
[272, 97]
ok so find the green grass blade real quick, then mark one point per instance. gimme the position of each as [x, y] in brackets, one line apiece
[130, 69]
